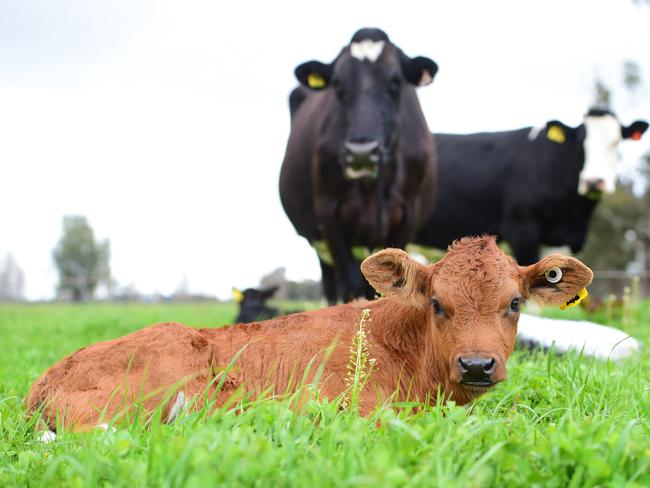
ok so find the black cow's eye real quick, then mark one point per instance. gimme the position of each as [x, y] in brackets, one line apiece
[338, 89]
[394, 85]
[515, 304]
[437, 308]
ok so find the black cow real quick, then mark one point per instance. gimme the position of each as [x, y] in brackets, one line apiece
[529, 187]
[359, 168]
[252, 304]
[253, 307]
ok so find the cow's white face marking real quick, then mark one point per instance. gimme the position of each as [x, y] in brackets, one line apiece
[603, 135]
[367, 49]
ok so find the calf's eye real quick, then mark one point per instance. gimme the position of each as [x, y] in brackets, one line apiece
[437, 308]
[515, 304]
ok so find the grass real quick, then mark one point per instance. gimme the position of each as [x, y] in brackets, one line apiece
[556, 421]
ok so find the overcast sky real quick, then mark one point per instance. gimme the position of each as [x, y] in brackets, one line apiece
[165, 122]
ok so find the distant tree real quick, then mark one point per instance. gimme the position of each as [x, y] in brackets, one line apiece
[619, 236]
[602, 95]
[607, 247]
[306, 290]
[12, 279]
[642, 229]
[126, 293]
[82, 262]
[182, 291]
[631, 75]
[278, 279]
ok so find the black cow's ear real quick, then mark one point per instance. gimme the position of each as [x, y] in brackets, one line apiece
[269, 292]
[314, 74]
[558, 132]
[237, 295]
[392, 272]
[635, 130]
[419, 71]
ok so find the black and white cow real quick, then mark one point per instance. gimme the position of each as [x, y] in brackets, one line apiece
[359, 168]
[529, 187]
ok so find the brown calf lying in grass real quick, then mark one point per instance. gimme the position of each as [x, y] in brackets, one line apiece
[449, 327]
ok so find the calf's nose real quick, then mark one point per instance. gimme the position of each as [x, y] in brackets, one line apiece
[476, 370]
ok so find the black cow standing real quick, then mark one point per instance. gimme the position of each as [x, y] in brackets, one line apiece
[359, 168]
[529, 186]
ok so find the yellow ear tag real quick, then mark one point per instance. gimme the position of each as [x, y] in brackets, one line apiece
[237, 295]
[582, 294]
[315, 81]
[555, 133]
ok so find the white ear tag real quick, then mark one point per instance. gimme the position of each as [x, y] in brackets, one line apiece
[553, 275]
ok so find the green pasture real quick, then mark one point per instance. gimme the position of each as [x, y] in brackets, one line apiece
[556, 421]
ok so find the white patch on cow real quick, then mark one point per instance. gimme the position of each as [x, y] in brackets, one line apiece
[534, 132]
[47, 436]
[367, 49]
[592, 339]
[105, 427]
[603, 135]
[176, 407]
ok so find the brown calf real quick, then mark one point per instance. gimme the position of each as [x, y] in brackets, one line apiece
[448, 327]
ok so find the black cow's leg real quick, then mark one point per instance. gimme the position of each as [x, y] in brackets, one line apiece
[351, 280]
[349, 274]
[400, 238]
[401, 234]
[330, 289]
[370, 292]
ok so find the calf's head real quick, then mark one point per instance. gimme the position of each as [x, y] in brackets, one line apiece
[367, 81]
[470, 301]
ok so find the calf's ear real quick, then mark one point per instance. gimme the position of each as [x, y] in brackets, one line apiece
[635, 130]
[393, 273]
[557, 280]
[314, 74]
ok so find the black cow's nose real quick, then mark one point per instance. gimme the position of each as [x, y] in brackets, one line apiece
[476, 370]
[362, 151]
[595, 184]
